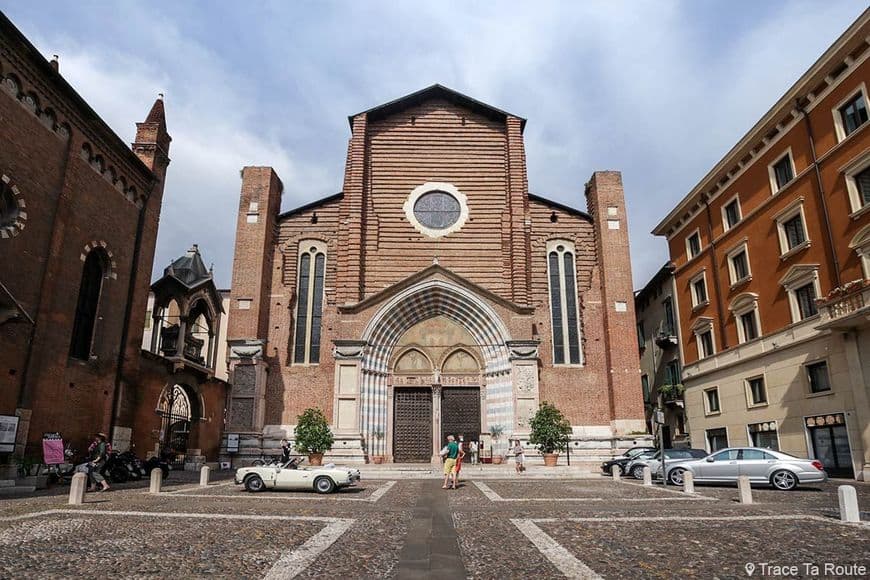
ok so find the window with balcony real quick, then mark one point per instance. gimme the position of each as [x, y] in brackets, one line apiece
[781, 172]
[731, 213]
[817, 375]
[801, 283]
[670, 324]
[672, 373]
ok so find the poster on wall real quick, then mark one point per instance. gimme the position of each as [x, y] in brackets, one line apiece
[52, 449]
[8, 433]
[232, 442]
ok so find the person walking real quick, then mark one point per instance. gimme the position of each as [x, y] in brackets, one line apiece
[285, 450]
[472, 448]
[450, 453]
[519, 456]
[99, 456]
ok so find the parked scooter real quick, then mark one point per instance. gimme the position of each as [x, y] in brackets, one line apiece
[115, 469]
[135, 466]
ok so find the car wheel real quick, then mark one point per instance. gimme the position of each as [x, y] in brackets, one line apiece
[676, 476]
[324, 485]
[637, 471]
[254, 483]
[784, 480]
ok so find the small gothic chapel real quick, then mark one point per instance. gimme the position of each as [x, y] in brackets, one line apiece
[433, 295]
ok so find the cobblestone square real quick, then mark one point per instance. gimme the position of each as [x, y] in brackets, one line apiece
[415, 529]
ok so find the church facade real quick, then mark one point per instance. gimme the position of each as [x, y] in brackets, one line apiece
[433, 295]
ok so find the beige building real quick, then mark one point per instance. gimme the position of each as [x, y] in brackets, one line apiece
[772, 274]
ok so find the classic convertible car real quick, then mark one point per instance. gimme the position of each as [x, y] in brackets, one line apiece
[289, 475]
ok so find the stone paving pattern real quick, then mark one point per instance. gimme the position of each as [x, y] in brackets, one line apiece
[417, 530]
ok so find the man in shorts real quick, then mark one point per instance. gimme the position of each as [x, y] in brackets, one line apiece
[450, 453]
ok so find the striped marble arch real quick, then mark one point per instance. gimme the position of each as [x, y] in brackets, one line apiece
[412, 306]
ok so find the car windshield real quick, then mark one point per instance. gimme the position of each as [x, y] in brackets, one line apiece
[635, 451]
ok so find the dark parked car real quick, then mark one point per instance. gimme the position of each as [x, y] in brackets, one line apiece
[672, 457]
[623, 459]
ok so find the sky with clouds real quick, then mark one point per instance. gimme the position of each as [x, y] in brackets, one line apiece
[658, 90]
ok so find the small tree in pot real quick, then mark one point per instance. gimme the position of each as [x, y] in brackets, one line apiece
[313, 435]
[496, 431]
[378, 435]
[549, 432]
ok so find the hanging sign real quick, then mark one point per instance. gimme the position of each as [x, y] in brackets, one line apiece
[8, 433]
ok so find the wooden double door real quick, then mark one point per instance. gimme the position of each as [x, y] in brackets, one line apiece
[414, 420]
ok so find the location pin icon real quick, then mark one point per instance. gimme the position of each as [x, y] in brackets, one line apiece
[750, 568]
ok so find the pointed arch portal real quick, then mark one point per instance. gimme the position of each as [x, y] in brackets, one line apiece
[413, 306]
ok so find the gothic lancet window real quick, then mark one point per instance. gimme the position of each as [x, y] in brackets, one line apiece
[309, 305]
[565, 319]
[88, 305]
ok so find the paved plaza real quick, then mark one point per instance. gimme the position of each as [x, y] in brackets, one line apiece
[493, 528]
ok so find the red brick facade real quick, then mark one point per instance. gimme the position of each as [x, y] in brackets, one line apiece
[79, 190]
[377, 262]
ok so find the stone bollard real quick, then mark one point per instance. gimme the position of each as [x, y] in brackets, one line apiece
[77, 489]
[647, 475]
[688, 482]
[203, 476]
[616, 472]
[848, 498]
[744, 489]
[156, 480]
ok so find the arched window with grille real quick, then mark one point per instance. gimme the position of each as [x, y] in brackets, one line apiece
[309, 302]
[564, 316]
[93, 273]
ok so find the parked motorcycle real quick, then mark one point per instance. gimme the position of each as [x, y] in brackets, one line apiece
[115, 469]
[135, 466]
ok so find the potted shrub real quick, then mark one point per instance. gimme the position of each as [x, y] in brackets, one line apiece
[378, 459]
[496, 431]
[550, 431]
[313, 435]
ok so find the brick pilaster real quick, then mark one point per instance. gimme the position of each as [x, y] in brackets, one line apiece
[519, 218]
[606, 204]
[351, 255]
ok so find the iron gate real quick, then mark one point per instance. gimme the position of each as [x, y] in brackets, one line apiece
[176, 416]
[460, 413]
[412, 425]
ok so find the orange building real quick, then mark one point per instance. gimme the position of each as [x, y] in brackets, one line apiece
[772, 256]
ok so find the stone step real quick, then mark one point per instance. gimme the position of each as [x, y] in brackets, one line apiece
[7, 482]
[17, 490]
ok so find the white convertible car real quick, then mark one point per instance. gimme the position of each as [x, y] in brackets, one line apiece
[289, 475]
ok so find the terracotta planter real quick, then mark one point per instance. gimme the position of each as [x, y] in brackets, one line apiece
[315, 459]
[496, 460]
[377, 459]
[550, 459]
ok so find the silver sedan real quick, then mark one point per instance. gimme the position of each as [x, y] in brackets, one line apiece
[763, 466]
